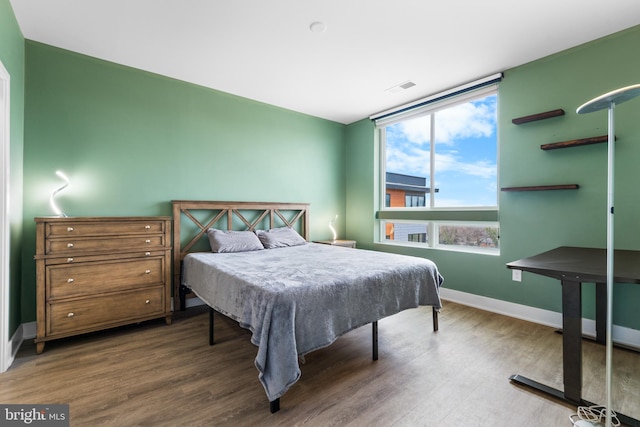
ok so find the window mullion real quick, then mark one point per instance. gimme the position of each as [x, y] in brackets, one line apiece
[433, 234]
[383, 169]
[432, 161]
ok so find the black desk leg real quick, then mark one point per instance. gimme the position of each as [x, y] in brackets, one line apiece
[571, 348]
[572, 340]
[601, 313]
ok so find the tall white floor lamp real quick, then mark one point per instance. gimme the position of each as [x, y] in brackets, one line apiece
[609, 101]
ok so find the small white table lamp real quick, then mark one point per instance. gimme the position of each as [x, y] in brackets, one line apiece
[333, 230]
[52, 202]
[609, 101]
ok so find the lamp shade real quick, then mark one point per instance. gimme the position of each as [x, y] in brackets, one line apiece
[604, 101]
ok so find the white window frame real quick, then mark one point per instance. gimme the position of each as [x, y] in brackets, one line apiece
[433, 235]
[433, 216]
[461, 248]
[431, 109]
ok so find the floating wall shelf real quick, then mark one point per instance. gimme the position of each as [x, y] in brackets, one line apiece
[575, 142]
[539, 116]
[543, 187]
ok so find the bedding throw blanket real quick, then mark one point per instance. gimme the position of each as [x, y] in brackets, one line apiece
[297, 299]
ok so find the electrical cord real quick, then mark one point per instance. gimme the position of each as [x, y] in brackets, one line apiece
[594, 415]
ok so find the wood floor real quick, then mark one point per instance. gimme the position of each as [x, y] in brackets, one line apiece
[158, 375]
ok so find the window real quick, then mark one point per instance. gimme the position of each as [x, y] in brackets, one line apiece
[414, 200]
[446, 157]
[439, 160]
[472, 236]
[476, 236]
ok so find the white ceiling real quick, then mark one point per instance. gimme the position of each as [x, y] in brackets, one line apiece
[265, 50]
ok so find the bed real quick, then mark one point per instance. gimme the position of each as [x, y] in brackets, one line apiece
[295, 296]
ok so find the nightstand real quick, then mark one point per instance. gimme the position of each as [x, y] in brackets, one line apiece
[345, 243]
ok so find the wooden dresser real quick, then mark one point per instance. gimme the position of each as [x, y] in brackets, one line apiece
[94, 273]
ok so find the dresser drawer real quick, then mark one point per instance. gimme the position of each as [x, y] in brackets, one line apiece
[80, 245]
[68, 280]
[98, 256]
[93, 313]
[104, 228]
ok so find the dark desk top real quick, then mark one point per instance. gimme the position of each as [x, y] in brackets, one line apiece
[582, 265]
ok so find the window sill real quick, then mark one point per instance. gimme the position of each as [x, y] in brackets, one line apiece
[448, 248]
[438, 215]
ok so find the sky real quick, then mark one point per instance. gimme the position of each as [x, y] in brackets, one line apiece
[465, 152]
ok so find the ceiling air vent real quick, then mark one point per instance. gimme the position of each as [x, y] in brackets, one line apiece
[400, 87]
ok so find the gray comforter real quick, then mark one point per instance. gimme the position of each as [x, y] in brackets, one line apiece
[298, 299]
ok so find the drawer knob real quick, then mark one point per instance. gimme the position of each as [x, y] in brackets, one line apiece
[69, 229]
[70, 314]
[147, 227]
[147, 272]
[70, 280]
[69, 259]
[147, 241]
[69, 245]
[147, 254]
[147, 301]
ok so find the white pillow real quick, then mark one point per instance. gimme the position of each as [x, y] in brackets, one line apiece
[233, 241]
[280, 237]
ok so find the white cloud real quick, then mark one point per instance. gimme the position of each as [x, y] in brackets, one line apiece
[417, 130]
[412, 162]
[461, 121]
[464, 121]
[416, 162]
[482, 168]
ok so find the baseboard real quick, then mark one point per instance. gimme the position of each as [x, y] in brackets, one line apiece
[29, 330]
[10, 350]
[190, 302]
[621, 335]
[193, 302]
[18, 338]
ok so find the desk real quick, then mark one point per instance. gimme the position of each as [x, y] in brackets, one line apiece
[573, 266]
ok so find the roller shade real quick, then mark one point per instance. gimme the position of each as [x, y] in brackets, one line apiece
[440, 99]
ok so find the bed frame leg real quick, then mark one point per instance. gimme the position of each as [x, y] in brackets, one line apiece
[435, 319]
[374, 336]
[274, 405]
[211, 326]
[182, 292]
[183, 297]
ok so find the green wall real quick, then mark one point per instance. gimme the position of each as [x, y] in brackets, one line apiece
[12, 57]
[132, 141]
[362, 164]
[533, 222]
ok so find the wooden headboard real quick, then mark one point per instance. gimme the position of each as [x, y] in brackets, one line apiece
[192, 218]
